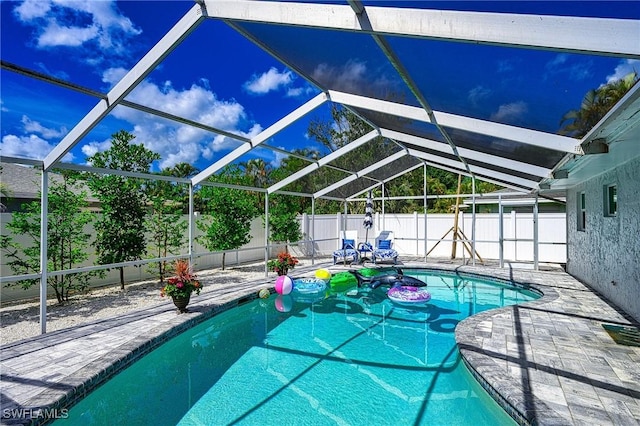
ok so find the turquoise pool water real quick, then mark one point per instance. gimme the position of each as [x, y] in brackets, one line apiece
[345, 359]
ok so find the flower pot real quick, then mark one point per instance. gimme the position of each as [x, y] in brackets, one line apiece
[181, 303]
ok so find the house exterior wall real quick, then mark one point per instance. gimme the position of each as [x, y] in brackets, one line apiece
[606, 255]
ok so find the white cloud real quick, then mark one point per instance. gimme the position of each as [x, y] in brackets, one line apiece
[576, 70]
[55, 35]
[32, 9]
[508, 113]
[505, 66]
[268, 81]
[113, 75]
[477, 94]
[94, 147]
[624, 67]
[277, 160]
[295, 92]
[31, 126]
[558, 61]
[347, 78]
[174, 142]
[62, 23]
[28, 146]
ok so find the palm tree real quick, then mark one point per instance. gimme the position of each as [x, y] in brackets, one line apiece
[258, 171]
[596, 103]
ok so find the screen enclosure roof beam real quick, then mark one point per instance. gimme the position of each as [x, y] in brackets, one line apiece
[131, 79]
[473, 125]
[323, 161]
[261, 137]
[604, 36]
[481, 171]
[361, 173]
[468, 153]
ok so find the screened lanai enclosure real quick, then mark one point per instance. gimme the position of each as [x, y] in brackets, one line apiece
[495, 91]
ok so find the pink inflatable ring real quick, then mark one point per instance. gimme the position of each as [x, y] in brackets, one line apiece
[408, 295]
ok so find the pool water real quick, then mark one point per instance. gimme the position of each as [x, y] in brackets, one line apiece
[345, 359]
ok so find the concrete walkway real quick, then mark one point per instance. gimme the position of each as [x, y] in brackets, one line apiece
[550, 361]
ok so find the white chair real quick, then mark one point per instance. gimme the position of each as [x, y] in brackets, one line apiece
[347, 250]
[383, 250]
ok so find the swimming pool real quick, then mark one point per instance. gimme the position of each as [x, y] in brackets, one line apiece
[353, 358]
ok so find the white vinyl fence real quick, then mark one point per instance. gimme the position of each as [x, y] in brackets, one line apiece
[409, 234]
[322, 233]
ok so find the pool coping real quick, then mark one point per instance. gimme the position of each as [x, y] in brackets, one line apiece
[50, 403]
[554, 392]
[491, 363]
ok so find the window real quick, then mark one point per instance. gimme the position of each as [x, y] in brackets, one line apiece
[582, 211]
[610, 200]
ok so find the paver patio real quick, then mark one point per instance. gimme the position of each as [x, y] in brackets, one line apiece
[550, 361]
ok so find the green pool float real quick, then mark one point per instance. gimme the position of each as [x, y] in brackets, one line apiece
[343, 281]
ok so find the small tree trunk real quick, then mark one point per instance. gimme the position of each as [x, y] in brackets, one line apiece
[223, 258]
[60, 296]
[121, 278]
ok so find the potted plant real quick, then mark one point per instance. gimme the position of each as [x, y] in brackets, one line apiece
[282, 263]
[180, 286]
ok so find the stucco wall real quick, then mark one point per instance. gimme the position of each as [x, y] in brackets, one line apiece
[606, 255]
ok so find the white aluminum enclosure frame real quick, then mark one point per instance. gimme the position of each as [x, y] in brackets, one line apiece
[560, 33]
[600, 36]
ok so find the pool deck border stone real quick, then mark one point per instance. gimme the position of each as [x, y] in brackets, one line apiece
[547, 362]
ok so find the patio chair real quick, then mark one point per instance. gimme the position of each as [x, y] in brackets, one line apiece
[383, 250]
[347, 251]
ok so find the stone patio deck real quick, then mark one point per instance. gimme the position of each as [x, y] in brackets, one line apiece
[549, 361]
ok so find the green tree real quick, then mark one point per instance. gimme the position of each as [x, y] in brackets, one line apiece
[165, 224]
[258, 174]
[181, 192]
[227, 221]
[345, 127]
[120, 231]
[283, 219]
[5, 192]
[66, 240]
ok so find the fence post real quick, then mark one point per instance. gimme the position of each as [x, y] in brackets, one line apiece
[415, 220]
[44, 257]
[535, 234]
[501, 230]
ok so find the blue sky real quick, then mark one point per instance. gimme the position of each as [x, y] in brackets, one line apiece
[221, 79]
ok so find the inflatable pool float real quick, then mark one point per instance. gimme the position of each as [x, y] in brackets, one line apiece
[374, 272]
[391, 277]
[309, 285]
[408, 295]
[343, 281]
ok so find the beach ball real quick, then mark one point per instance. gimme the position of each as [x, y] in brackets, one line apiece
[284, 284]
[264, 293]
[323, 274]
[283, 303]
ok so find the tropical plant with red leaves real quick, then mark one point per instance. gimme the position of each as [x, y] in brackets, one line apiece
[183, 283]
